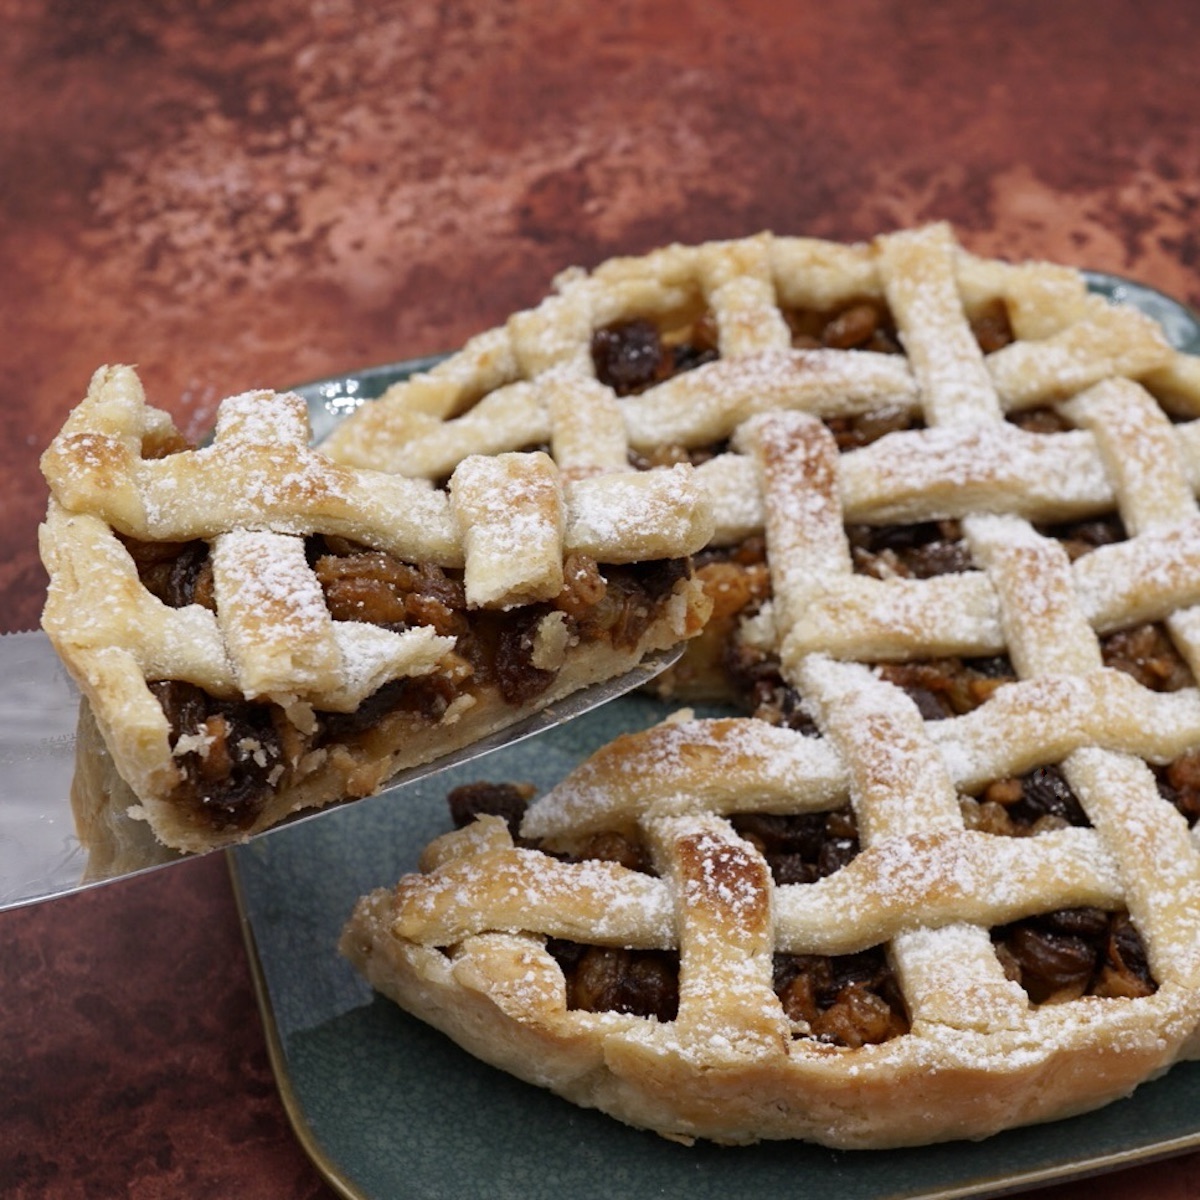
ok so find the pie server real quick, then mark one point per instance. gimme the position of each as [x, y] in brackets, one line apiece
[40, 855]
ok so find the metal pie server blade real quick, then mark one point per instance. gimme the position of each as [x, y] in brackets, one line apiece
[41, 855]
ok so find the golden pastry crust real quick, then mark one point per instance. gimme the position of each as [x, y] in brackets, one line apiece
[249, 524]
[742, 310]
[463, 945]
[1084, 414]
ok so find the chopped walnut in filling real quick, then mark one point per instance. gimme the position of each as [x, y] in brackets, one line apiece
[866, 324]
[949, 687]
[1147, 653]
[845, 1000]
[858, 325]
[234, 753]
[1073, 952]
[1025, 805]
[1179, 782]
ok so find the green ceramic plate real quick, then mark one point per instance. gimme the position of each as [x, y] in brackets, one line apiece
[389, 1109]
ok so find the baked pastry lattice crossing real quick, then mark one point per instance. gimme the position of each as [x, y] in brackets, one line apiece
[258, 629]
[978, 1031]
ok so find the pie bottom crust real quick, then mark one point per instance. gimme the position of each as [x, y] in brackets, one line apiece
[501, 997]
[102, 800]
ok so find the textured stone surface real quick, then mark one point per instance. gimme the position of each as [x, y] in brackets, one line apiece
[232, 195]
[132, 1053]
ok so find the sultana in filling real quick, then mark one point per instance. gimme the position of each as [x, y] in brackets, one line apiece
[234, 753]
[1024, 805]
[844, 1000]
[1074, 952]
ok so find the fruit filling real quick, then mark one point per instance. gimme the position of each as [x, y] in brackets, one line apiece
[844, 1000]
[232, 754]
[1074, 952]
[1025, 805]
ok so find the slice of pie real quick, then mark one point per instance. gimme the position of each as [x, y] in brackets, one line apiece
[258, 630]
[947, 880]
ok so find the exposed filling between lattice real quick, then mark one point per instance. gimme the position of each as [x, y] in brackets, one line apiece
[1148, 654]
[1062, 955]
[234, 753]
[633, 355]
[1033, 803]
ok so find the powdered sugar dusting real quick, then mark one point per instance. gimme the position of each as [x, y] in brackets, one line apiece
[706, 405]
[629, 516]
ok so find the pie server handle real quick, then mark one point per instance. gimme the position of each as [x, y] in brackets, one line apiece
[40, 854]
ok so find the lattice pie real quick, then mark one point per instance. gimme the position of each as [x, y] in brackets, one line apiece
[947, 880]
[259, 630]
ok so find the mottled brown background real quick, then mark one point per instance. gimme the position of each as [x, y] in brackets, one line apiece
[233, 195]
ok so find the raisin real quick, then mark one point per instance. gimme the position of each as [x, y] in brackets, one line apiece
[1179, 782]
[615, 847]
[801, 847]
[835, 854]
[627, 356]
[1040, 420]
[191, 578]
[1051, 963]
[992, 329]
[178, 573]
[516, 676]
[852, 433]
[939, 558]
[777, 833]
[799, 1002]
[1082, 537]
[1090, 924]
[1073, 952]
[507, 800]
[852, 327]
[583, 585]
[236, 758]
[687, 356]
[644, 983]
[1046, 792]
[1126, 953]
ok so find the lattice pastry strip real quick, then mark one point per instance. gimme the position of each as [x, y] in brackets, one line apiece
[729, 1063]
[1045, 627]
[223, 607]
[901, 793]
[1066, 341]
[1002, 469]
[917, 269]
